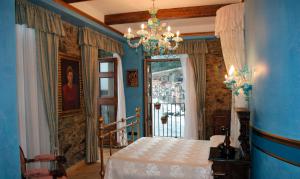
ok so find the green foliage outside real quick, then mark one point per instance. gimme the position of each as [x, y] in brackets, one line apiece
[161, 66]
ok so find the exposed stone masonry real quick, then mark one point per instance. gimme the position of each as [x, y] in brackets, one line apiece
[217, 95]
[72, 129]
[69, 43]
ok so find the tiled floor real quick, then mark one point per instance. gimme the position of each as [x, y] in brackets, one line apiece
[89, 171]
[86, 172]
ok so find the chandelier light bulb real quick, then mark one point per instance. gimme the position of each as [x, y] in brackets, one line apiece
[169, 28]
[231, 71]
[154, 36]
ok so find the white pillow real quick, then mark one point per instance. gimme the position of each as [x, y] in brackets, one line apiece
[215, 140]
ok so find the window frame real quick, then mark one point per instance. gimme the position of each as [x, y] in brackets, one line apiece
[108, 100]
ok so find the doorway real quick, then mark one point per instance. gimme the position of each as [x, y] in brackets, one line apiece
[107, 101]
[164, 98]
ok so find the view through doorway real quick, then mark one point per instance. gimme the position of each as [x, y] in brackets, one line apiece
[165, 107]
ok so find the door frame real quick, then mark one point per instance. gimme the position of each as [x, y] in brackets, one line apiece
[114, 74]
[108, 100]
[146, 61]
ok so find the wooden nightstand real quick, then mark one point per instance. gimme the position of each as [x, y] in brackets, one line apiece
[234, 167]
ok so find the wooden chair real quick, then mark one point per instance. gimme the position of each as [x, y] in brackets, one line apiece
[42, 173]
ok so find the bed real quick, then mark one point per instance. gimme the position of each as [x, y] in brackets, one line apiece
[161, 158]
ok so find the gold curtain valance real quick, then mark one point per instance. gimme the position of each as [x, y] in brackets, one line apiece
[192, 47]
[90, 37]
[38, 18]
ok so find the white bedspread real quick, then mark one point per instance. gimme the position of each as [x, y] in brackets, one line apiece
[161, 158]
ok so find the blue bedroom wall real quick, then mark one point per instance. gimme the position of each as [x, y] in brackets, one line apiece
[9, 149]
[268, 167]
[273, 52]
[133, 59]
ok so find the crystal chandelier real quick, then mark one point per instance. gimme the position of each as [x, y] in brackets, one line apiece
[156, 38]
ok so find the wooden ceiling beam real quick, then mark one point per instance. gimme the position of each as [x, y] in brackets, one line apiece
[163, 14]
[198, 34]
[73, 1]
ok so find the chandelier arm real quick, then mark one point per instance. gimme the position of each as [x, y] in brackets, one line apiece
[170, 48]
[134, 45]
[155, 38]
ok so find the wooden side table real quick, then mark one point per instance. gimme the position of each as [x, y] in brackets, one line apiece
[234, 167]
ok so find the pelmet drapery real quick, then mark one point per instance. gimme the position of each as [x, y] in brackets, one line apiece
[196, 50]
[48, 27]
[90, 42]
[89, 56]
[192, 47]
[230, 28]
[38, 18]
[90, 37]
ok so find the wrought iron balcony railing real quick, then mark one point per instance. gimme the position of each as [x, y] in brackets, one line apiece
[168, 119]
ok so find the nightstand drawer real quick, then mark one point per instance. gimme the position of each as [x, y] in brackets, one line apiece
[230, 170]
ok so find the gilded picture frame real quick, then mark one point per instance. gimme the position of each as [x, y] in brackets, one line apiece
[70, 95]
[132, 78]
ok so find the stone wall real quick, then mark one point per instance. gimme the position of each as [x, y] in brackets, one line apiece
[72, 129]
[217, 95]
[69, 43]
[71, 136]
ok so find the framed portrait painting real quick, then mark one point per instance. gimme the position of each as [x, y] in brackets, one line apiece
[132, 78]
[69, 85]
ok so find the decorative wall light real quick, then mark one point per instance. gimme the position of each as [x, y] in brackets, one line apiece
[239, 81]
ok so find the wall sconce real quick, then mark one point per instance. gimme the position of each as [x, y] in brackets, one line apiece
[239, 81]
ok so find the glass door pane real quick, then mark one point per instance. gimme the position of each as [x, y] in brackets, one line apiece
[107, 87]
[108, 113]
[106, 67]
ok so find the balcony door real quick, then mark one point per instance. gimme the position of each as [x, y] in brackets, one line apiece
[164, 98]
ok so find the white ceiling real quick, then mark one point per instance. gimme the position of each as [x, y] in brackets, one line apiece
[99, 8]
[204, 24]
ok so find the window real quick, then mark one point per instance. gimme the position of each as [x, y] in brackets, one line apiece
[107, 96]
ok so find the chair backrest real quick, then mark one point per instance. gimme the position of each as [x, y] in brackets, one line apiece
[23, 162]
